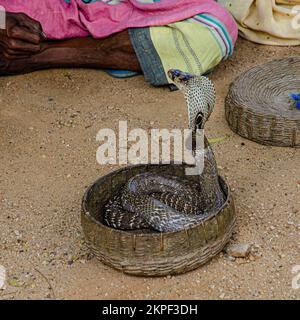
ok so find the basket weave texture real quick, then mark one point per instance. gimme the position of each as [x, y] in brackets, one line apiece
[258, 105]
[152, 253]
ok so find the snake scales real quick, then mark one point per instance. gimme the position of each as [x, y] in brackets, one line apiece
[168, 203]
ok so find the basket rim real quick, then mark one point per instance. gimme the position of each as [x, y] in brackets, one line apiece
[86, 213]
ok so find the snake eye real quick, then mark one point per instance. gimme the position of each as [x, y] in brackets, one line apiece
[174, 74]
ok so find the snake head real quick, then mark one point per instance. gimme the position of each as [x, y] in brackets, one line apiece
[199, 93]
[180, 78]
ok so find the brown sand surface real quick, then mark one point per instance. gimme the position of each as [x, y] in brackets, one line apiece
[48, 126]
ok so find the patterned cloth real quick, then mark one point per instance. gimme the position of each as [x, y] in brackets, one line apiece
[195, 45]
[102, 18]
[273, 22]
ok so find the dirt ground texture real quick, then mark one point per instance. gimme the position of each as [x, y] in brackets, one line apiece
[48, 126]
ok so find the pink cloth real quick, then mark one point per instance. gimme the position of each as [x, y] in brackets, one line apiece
[61, 20]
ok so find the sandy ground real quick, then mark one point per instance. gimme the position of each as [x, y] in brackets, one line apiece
[48, 126]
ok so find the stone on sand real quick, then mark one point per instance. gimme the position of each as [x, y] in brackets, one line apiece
[240, 250]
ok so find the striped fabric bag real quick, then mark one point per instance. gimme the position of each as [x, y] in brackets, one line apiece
[195, 45]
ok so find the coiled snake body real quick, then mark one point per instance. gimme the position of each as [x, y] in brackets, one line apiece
[168, 203]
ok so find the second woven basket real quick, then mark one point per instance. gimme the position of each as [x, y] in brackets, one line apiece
[258, 105]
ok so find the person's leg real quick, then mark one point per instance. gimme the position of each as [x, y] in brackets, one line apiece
[114, 52]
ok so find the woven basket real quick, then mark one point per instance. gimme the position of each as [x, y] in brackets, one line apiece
[258, 105]
[152, 253]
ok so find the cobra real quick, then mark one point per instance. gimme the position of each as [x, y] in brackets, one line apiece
[168, 203]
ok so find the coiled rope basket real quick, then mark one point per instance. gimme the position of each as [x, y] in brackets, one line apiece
[152, 253]
[258, 105]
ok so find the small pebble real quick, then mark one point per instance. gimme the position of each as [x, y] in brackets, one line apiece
[239, 250]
